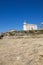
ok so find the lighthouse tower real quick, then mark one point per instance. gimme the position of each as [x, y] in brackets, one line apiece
[24, 26]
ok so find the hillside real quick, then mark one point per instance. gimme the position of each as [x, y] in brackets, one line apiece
[18, 34]
[21, 50]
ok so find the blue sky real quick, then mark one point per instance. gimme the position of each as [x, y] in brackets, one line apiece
[14, 12]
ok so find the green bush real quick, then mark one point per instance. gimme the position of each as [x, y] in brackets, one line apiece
[11, 33]
[31, 32]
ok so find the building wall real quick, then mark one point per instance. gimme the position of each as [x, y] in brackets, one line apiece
[29, 27]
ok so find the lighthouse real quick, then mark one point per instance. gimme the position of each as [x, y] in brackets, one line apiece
[29, 26]
[24, 26]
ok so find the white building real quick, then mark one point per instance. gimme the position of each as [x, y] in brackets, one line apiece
[29, 26]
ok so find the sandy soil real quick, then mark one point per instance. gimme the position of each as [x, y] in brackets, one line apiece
[21, 51]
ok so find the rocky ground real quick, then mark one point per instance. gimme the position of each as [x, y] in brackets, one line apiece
[21, 51]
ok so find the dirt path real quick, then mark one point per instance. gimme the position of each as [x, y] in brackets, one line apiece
[21, 51]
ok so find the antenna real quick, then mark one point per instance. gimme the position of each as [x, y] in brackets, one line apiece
[41, 26]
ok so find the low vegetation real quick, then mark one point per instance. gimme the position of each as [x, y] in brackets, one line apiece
[22, 33]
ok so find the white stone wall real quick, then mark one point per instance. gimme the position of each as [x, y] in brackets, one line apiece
[29, 26]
